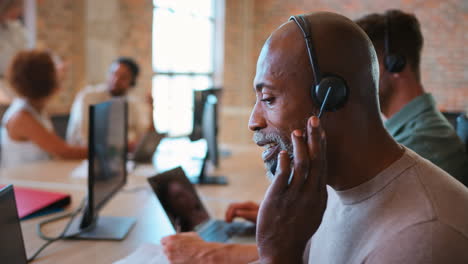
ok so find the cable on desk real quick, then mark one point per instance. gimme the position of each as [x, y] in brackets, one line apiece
[50, 240]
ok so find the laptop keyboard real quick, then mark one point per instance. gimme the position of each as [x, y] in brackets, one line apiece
[220, 231]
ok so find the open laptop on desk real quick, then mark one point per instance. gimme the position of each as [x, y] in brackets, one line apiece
[146, 147]
[187, 213]
[11, 239]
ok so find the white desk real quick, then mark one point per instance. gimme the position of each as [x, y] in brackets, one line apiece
[244, 170]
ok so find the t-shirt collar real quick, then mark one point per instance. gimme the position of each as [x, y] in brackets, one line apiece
[368, 189]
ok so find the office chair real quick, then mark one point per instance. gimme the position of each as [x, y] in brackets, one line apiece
[60, 123]
[452, 118]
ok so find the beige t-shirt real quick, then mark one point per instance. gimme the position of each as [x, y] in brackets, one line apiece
[77, 130]
[412, 212]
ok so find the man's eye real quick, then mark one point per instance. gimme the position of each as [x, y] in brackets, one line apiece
[268, 100]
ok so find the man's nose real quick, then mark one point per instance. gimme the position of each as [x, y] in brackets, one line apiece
[257, 120]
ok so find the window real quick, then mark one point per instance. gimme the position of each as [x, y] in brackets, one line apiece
[183, 58]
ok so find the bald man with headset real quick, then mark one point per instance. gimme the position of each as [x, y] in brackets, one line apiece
[343, 190]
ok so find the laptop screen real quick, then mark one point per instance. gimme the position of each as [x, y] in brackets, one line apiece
[11, 239]
[147, 146]
[179, 199]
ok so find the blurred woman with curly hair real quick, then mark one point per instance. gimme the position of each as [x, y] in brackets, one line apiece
[27, 133]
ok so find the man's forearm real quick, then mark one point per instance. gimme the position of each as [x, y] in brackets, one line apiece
[234, 253]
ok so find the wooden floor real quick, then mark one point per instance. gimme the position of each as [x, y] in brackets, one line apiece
[244, 170]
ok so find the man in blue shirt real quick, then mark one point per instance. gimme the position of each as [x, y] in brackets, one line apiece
[412, 116]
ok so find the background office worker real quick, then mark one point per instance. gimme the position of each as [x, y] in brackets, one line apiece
[413, 117]
[27, 134]
[123, 75]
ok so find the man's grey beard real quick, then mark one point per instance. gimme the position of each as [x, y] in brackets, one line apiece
[284, 144]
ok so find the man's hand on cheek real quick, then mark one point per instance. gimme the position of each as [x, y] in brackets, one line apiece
[291, 213]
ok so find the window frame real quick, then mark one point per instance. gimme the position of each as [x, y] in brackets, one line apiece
[215, 75]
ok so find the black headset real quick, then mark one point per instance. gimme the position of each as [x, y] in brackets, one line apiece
[330, 91]
[393, 62]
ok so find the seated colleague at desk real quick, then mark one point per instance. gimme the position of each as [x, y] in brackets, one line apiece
[355, 195]
[413, 118]
[123, 75]
[27, 133]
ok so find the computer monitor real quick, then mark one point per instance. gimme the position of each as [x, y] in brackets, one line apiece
[209, 132]
[107, 173]
[199, 99]
[11, 239]
[210, 128]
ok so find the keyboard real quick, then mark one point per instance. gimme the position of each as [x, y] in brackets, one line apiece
[220, 231]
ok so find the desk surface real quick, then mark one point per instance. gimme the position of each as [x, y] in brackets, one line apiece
[244, 170]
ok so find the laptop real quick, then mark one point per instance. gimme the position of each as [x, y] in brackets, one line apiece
[11, 239]
[187, 213]
[146, 147]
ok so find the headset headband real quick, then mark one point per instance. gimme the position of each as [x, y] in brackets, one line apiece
[303, 24]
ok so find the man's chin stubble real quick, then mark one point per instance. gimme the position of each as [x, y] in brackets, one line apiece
[270, 167]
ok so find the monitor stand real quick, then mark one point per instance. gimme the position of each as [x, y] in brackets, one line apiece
[104, 228]
[205, 179]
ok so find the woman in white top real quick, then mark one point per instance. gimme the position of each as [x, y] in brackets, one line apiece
[26, 130]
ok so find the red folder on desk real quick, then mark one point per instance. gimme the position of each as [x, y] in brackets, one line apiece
[31, 201]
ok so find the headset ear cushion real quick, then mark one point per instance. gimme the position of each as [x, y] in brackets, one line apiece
[394, 63]
[338, 93]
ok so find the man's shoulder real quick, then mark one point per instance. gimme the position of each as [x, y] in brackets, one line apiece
[429, 122]
[446, 196]
[428, 242]
[92, 94]
[134, 99]
[421, 193]
[94, 89]
[430, 214]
